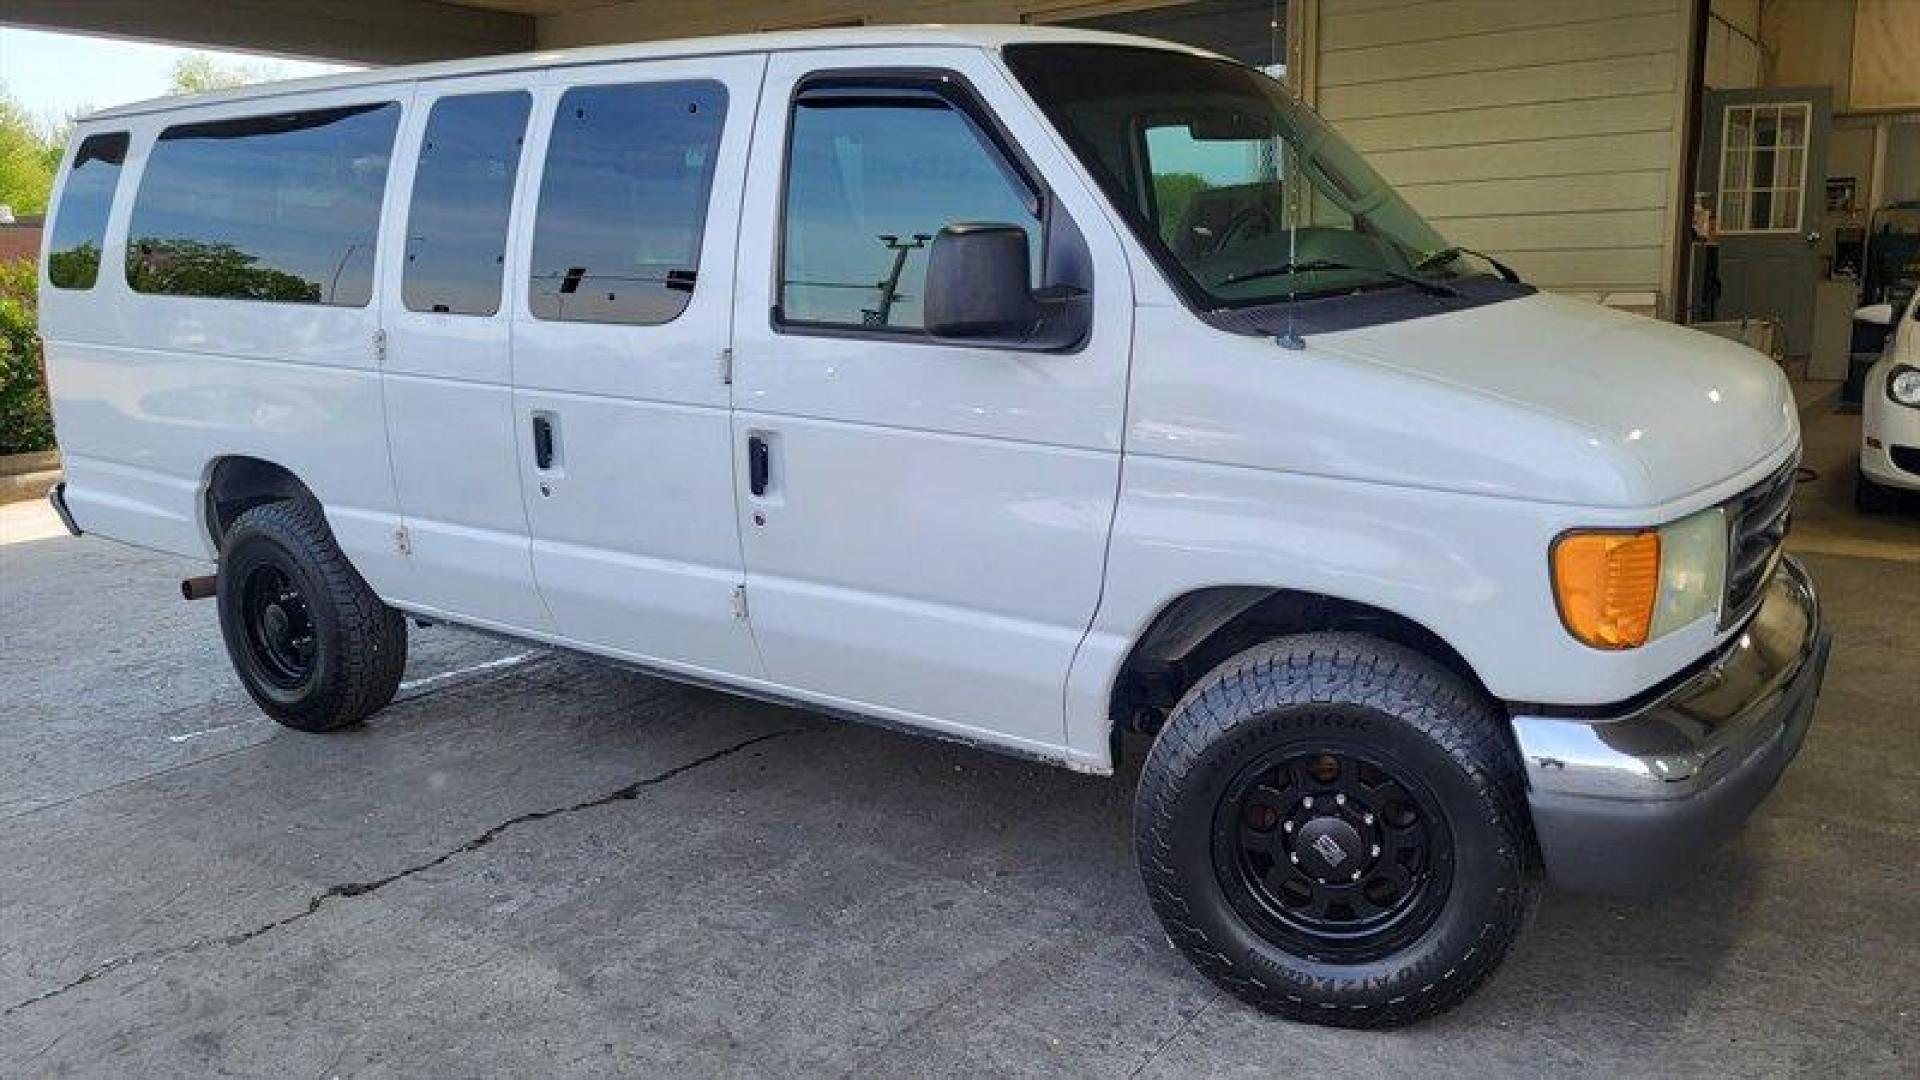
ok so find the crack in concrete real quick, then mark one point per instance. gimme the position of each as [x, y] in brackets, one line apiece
[1161, 1047]
[351, 889]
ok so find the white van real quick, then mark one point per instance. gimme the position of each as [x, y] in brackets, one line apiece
[1022, 387]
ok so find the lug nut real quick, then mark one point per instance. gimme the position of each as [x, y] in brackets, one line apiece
[1308, 802]
[1295, 856]
[1340, 800]
[1287, 826]
[1368, 819]
[1376, 851]
[1356, 875]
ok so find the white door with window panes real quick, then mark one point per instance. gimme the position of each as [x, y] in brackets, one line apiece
[1764, 165]
[924, 522]
[447, 369]
[621, 318]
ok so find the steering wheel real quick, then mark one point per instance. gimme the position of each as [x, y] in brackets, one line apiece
[1243, 221]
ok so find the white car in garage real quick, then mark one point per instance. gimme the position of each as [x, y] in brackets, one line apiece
[1890, 410]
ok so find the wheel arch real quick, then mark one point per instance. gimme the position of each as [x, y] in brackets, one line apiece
[1197, 630]
[236, 483]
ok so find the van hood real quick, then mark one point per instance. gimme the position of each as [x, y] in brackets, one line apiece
[1678, 410]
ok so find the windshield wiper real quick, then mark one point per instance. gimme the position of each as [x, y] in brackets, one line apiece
[1507, 273]
[1431, 288]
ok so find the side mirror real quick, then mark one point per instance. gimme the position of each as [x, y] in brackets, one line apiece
[977, 291]
[1877, 314]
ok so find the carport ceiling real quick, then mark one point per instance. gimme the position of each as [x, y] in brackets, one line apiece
[532, 7]
[355, 31]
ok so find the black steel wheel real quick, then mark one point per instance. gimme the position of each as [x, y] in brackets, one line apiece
[313, 645]
[1334, 828]
[279, 627]
[1334, 852]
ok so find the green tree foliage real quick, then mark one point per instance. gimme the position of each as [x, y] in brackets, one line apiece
[75, 268]
[196, 268]
[28, 158]
[199, 73]
[25, 421]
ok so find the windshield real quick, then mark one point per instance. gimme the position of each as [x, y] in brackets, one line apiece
[1245, 195]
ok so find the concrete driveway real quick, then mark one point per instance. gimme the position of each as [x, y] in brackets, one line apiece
[534, 864]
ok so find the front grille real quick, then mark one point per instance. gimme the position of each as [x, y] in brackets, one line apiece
[1906, 458]
[1757, 521]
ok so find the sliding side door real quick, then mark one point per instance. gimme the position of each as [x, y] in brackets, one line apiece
[448, 368]
[619, 344]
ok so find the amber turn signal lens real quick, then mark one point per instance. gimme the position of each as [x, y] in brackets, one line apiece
[1606, 584]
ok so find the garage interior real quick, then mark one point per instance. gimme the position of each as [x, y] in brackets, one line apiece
[559, 867]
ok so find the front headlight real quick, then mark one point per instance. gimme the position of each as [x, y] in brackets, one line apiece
[1619, 589]
[1903, 385]
[1693, 571]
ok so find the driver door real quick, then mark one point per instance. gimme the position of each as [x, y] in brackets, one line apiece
[924, 523]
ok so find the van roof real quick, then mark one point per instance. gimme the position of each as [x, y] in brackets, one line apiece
[982, 36]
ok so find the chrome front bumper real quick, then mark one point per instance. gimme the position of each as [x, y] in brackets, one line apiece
[1625, 804]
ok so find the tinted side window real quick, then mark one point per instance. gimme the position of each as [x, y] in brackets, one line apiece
[80, 222]
[462, 196]
[623, 201]
[283, 207]
[869, 184]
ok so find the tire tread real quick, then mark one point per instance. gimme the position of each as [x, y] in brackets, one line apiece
[1346, 668]
[373, 637]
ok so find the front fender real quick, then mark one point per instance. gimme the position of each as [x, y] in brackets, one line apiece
[1471, 568]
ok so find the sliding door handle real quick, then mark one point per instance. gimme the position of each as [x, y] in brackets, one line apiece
[542, 441]
[759, 464]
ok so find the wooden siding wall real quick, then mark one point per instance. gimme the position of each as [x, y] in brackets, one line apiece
[1547, 132]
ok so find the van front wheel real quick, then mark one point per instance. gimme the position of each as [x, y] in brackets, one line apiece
[1332, 827]
[313, 645]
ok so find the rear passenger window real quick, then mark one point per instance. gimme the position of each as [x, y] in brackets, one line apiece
[283, 207]
[462, 196]
[80, 221]
[623, 201]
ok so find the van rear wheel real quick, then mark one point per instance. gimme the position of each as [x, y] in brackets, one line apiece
[1333, 828]
[313, 645]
